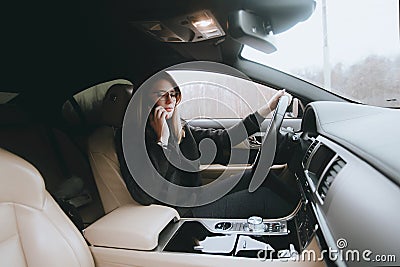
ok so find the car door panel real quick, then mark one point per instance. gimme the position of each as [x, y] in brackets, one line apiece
[226, 123]
[249, 147]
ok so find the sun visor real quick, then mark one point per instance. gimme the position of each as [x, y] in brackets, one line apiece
[257, 22]
[281, 14]
[252, 30]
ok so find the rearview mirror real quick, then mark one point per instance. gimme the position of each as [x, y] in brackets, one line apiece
[252, 30]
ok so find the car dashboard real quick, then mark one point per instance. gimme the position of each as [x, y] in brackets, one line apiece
[349, 176]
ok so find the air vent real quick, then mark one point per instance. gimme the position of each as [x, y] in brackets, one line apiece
[329, 176]
[309, 152]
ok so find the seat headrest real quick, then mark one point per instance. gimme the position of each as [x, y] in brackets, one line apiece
[115, 103]
[20, 182]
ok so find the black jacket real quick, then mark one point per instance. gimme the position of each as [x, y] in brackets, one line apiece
[189, 147]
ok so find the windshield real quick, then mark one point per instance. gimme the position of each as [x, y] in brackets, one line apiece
[348, 47]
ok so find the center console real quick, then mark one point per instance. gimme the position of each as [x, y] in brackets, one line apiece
[134, 232]
[253, 237]
[233, 237]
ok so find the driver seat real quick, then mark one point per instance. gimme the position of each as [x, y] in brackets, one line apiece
[102, 153]
[34, 231]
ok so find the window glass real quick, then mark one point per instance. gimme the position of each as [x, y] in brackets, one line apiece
[6, 97]
[214, 95]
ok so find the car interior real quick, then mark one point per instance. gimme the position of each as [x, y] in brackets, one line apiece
[70, 70]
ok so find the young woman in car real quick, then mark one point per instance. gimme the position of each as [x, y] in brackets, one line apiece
[165, 131]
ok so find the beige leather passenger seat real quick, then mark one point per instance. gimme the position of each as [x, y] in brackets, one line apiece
[34, 231]
[102, 153]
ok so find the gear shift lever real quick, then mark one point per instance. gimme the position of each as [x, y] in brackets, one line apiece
[255, 224]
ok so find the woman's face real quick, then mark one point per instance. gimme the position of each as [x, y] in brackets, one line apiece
[163, 93]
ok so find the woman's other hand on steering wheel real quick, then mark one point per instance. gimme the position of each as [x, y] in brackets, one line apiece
[273, 103]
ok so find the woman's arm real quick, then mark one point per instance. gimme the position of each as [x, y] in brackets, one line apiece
[225, 139]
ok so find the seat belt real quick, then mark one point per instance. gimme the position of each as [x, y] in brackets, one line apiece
[78, 110]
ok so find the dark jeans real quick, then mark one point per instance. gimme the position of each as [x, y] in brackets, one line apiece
[240, 203]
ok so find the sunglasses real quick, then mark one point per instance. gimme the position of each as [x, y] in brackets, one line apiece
[163, 96]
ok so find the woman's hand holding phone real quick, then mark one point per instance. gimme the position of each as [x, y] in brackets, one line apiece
[158, 120]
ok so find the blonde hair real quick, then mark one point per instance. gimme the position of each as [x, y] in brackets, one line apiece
[176, 122]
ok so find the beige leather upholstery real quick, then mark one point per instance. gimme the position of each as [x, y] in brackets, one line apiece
[34, 231]
[131, 227]
[102, 155]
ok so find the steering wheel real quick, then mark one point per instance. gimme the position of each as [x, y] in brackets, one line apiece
[266, 153]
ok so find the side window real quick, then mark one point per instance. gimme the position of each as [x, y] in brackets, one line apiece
[89, 102]
[6, 97]
[221, 96]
